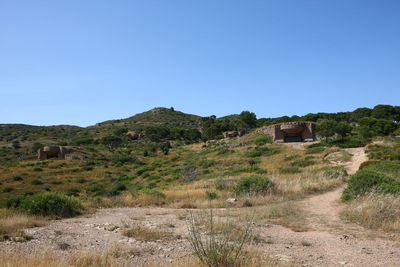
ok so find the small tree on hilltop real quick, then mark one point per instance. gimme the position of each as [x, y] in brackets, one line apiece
[248, 118]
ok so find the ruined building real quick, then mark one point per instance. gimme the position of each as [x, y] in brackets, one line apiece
[59, 152]
[296, 131]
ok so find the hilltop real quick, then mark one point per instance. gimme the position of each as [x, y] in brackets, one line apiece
[167, 117]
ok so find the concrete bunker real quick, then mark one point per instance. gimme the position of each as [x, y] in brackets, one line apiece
[296, 131]
[59, 152]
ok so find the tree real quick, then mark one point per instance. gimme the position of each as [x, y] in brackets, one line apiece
[111, 141]
[326, 127]
[360, 113]
[120, 131]
[248, 118]
[156, 134]
[343, 128]
[384, 112]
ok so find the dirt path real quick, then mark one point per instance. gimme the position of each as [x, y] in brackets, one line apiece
[326, 207]
[328, 241]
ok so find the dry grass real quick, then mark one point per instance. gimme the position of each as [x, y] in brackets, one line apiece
[375, 211]
[12, 225]
[80, 259]
[93, 259]
[143, 233]
[300, 185]
[253, 257]
[16, 259]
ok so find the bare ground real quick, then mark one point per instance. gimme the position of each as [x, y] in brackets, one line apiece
[329, 241]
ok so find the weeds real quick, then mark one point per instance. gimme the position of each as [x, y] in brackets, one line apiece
[218, 245]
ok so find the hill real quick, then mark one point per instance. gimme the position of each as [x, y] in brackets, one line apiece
[155, 117]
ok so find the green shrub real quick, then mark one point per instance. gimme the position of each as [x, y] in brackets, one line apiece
[292, 157]
[253, 185]
[95, 188]
[56, 182]
[211, 195]
[15, 201]
[382, 152]
[117, 189]
[47, 204]
[7, 189]
[73, 191]
[261, 151]
[17, 178]
[348, 142]
[37, 182]
[81, 180]
[261, 140]
[37, 169]
[307, 161]
[367, 180]
[144, 169]
[315, 150]
[391, 168]
[224, 151]
[289, 170]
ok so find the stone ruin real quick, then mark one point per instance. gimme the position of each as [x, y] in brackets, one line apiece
[59, 152]
[296, 131]
[135, 135]
[231, 134]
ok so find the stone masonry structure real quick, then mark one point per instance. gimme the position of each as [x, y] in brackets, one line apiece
[230, 134]
[53, 152]
[296, 131]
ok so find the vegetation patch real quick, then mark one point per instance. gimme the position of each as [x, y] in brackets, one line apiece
[253, 185]
[142, 233]
[46, 204]
[367, 180]
[261, 151]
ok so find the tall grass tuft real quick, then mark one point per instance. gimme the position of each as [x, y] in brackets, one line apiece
[215, 243]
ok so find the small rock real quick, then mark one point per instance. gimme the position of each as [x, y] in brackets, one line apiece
[231, 200]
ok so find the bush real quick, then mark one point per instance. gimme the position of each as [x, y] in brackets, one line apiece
[367, 180]
[261, 140]
[17, 178]
[37, 169]
[37, 182]
[211, 195]
[73, 191]
[289, 170]
[47, 204]
[381, 152]
[7, 189]
[307, 161]
[292, 157]
[117, 189]
[315, 150]
[253, 185]
[261, 151]
[95, 188]
[349, 142]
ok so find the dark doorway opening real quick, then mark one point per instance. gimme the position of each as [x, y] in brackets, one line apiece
[293, 138]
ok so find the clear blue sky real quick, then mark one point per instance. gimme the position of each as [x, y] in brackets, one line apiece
[81, 62]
